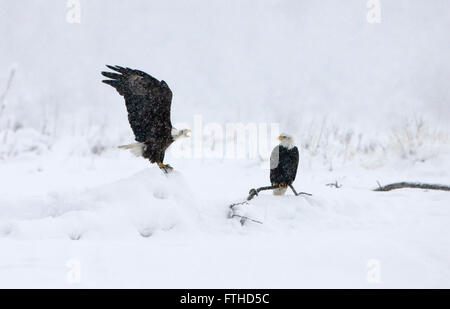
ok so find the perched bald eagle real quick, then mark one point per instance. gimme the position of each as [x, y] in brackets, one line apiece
[283, 164]
[148, 102]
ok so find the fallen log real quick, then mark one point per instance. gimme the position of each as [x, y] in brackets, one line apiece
[411, 185]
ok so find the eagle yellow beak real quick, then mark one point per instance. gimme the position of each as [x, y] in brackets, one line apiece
[280, 138]
[188, 133]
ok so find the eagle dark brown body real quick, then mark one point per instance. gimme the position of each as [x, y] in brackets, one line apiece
[148, 102]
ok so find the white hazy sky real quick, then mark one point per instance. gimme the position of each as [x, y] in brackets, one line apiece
[234, 59]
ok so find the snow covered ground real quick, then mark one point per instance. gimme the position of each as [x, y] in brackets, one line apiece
[125, 224]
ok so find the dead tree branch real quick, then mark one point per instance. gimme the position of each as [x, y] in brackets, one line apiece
[334, 184]
[237, 204]
[244, 219]
[300, 193]
[254, 192]
[412, 185]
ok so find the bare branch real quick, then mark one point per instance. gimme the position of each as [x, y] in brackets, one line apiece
[379, 184]
[244, 219]
[334, 184]
[300, 193]
[254, 192]
[412, 185]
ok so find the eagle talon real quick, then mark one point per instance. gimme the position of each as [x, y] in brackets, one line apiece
[166, 168]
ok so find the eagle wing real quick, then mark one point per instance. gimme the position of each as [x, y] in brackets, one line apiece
[295, 157]
[275, 158]
[274, 162]
[147, 100]
[283, 165]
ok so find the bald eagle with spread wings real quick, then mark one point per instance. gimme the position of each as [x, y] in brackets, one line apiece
[148, 102]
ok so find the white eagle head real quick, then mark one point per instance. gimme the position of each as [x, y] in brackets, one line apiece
[180, 133]
[286, 140]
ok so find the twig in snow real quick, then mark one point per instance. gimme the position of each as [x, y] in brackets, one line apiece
[334, 184]
[300, 193]
[412, 185]
[237, 204]
[379, 184]
[244, 218]
[254, 192]
[251, 195]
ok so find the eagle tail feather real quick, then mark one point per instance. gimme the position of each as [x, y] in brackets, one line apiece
[136, 148]
[279, 191]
